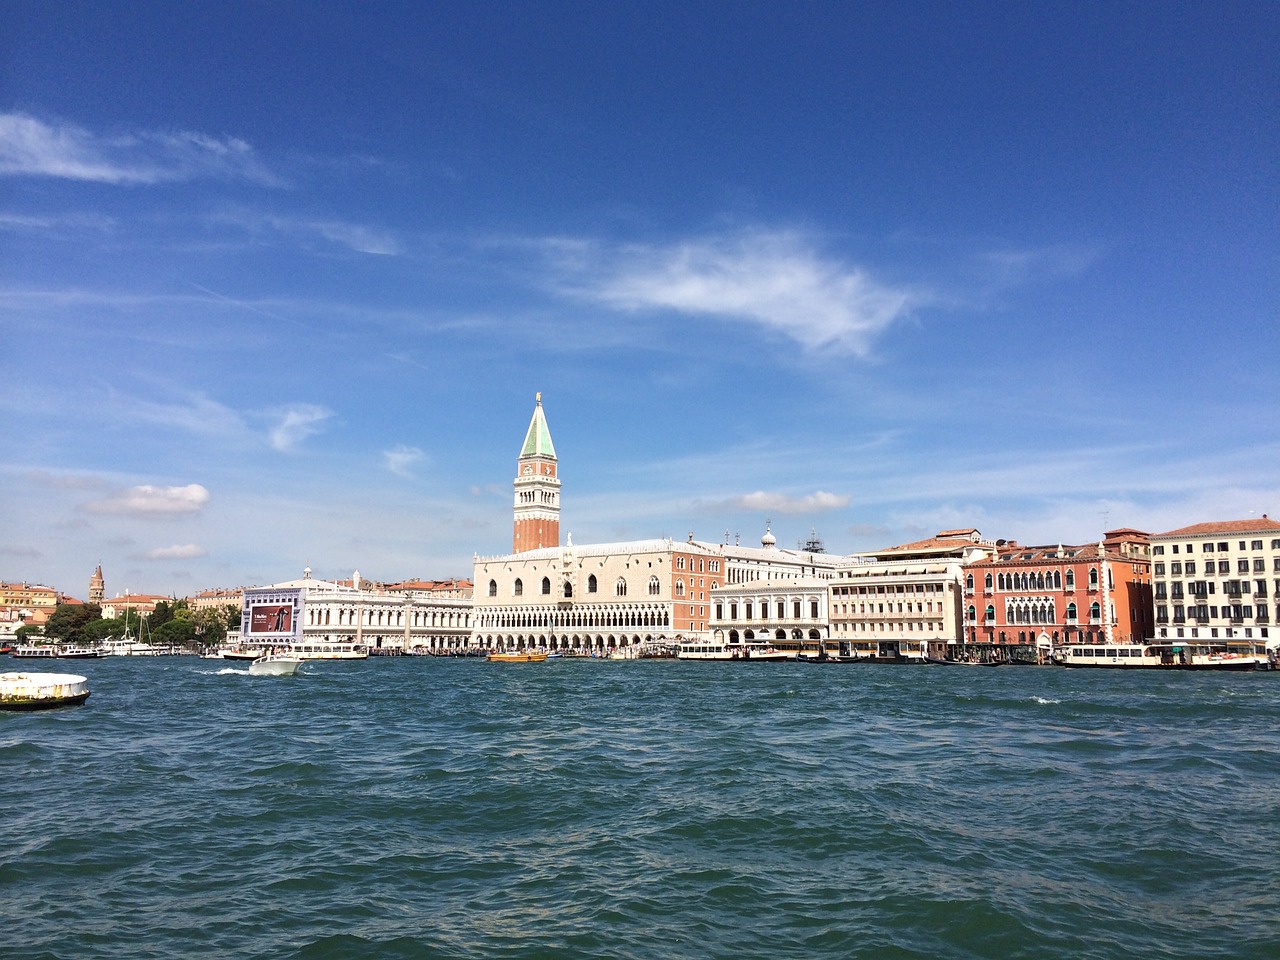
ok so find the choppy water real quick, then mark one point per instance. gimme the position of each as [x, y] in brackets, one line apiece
[435, 808]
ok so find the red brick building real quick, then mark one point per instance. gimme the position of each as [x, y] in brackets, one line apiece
[1046, 595]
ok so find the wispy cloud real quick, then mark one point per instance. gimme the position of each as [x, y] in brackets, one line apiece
[776, 279]
[33, 147]
[360, 237]
[816, 502]
[66, 481]
[356, 236]
[186, 551]
[1058, 260]
[296, 424]
[147, 500]
[61, 223]
[197, 415]
[401, 460]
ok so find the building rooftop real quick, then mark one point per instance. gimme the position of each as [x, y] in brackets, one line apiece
[1252, 525]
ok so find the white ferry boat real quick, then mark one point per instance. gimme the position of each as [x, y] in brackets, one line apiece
[703, 650]
[738, 652]
[328, 650]
[1156, 656]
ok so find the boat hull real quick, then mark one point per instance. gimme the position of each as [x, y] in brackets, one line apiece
[41, 691]
[517, 657]
[274, 667]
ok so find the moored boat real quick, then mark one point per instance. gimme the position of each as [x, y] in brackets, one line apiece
[72, 651]
[35, 651]
[237, 652]
[518, 656]
[328, 650]
[1174, 655]
[704, 650]
[41, 691]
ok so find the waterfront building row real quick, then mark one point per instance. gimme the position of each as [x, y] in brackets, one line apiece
[357, 611]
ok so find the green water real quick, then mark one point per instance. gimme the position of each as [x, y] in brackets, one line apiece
[419, 808]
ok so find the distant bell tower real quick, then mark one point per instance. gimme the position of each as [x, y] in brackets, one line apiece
[97, 587]
[537, 521]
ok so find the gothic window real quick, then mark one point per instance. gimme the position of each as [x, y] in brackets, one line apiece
[968, 582]
[1093, 578]
[988, 581]
[568, 589]
[991, 612]
[591, 584]
[493, 588]
[546, 586]
[655, 587]
[620, 588]
[1095, 612]
[1071, 579]
[973, 614]
[519, 587]
[1057, 579]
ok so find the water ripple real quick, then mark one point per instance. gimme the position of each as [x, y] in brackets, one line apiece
[424, 808]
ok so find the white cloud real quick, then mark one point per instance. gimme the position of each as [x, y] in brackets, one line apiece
[774, 279]
[815, 502]
[297, 423]
[401, 460]
[187, 551]
[32, 147]
[147, 500]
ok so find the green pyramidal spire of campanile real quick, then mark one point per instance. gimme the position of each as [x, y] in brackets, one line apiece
[537, 442]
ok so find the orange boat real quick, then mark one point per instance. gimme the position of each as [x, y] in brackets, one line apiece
[518, 656]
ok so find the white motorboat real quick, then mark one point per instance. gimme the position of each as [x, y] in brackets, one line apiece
[275, 665]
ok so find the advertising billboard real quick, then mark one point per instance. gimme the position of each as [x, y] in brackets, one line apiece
[271, 618]
[272, 614]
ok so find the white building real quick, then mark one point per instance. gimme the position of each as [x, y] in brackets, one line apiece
[906, 600]
[1218, 581]
[790, 613]
[362, 612]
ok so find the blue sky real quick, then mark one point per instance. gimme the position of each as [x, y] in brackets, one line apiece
[279, 281]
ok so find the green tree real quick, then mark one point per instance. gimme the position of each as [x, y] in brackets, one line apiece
[69, 619]
[162, 614]
[211, 625]
[97, 630]
[28, 634]
[175, 632]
